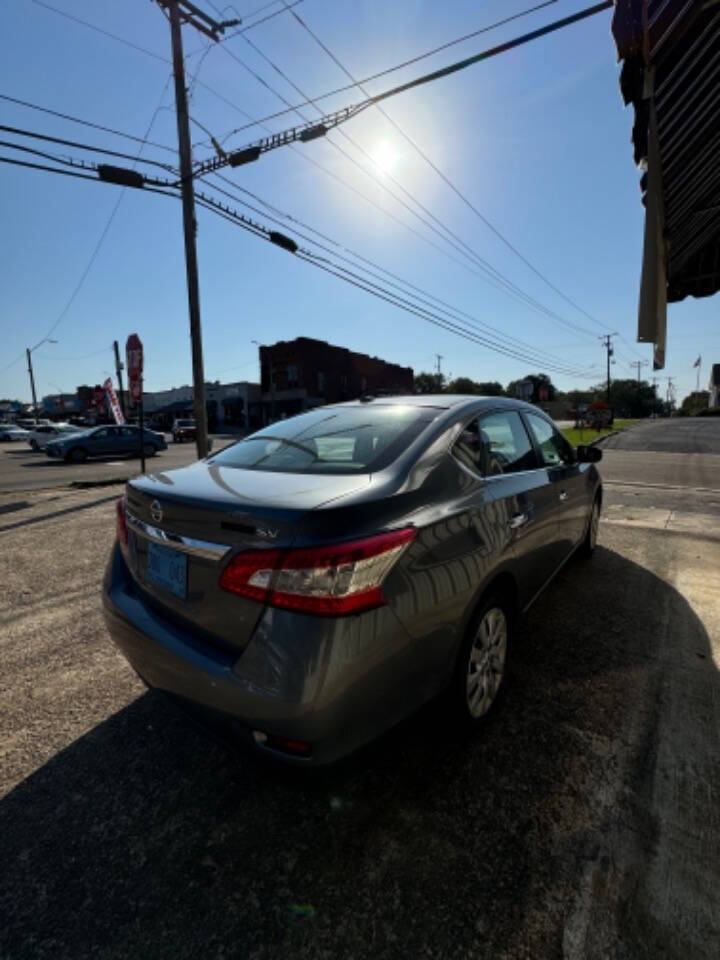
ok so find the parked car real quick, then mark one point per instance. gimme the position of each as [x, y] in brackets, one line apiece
[8, 431]
[316, 582]
[183, 430]
[41, 435]
[27, 423]
[104, 442]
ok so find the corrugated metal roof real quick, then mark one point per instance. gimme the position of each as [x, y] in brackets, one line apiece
[671, 51]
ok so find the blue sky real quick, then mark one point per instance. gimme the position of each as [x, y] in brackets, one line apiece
[537, 139]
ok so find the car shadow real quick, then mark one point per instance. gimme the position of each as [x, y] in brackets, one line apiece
[146, 838]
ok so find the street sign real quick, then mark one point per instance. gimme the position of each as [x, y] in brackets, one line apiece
[134, 356]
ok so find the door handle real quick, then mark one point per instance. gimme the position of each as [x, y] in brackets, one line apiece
[518, 520]
[562, 495]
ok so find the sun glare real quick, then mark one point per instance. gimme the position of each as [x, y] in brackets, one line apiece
[385, 156]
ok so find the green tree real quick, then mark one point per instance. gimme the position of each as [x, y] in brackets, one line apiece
[628, 398]
[693, 403]
[488, 388]
[429, 383]
[538, 380]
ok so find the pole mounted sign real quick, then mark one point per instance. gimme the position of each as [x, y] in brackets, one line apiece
[134, 356]
[113, 401]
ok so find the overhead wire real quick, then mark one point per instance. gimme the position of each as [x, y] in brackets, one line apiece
[354, 279]
[496, 277]
[440, 173]
[82, 146]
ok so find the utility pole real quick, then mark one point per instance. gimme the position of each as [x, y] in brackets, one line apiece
[28, 353]
[182, 11]
[639, 364]
[670, 390]
[607, 343]
[118, 371]
[654, 386]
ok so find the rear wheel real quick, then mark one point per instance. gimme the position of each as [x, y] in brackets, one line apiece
[482, 661]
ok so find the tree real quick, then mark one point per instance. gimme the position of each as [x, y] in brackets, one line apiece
[628, 398]
[429, 383]
[693, 403]
[538, 380]
[489, 388]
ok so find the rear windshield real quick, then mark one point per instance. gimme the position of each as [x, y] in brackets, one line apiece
[331, 440]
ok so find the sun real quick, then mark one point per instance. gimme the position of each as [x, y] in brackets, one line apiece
[385, 156]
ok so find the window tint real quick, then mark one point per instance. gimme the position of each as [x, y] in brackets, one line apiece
[128, 431]
[554, 448]
[496, 444]
[360, 439]
[101, 434]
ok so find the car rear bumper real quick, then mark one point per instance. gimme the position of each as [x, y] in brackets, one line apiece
[334, 683]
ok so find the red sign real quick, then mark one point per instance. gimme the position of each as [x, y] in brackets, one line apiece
[134, 357]
[543, 393]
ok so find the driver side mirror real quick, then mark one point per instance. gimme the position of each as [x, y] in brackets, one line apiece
[588, 454]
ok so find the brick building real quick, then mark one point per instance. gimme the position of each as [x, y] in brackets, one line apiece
[302, 373]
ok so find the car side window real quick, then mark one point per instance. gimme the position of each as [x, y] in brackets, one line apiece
[495, 444]
[101, 434]
[504, 445]
[554, 448]
[127, 432]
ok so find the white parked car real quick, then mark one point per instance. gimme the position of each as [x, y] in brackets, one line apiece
[8, 431]
[43, 434]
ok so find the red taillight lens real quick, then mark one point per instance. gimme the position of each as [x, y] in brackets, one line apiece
[121, 522]
[331, 580]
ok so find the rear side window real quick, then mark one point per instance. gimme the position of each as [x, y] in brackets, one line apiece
[554, 448]
[337, 440]
[495, 444]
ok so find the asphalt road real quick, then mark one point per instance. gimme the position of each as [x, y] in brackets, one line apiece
[674, 435]
[582, 822]
[22, 469]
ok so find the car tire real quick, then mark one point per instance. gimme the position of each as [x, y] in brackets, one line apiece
[587, 547]
[77, 455]
[482, 661]
[149, 449]
[34, 445]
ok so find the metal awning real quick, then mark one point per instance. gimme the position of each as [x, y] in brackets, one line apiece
[671, 74]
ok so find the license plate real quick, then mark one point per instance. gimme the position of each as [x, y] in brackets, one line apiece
[167, 568]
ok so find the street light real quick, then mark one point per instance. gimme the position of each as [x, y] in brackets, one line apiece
[272, 383]
[29, 351]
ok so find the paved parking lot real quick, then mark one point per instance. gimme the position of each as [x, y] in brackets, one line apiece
[583, 821]
[22, 469]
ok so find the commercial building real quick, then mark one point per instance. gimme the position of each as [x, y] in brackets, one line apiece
[228, 404]
[299, 374]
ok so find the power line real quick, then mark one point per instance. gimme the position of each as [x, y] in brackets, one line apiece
[461, 65]
[497, 278]
[348, 276]
[566, 21]
[442, 303]
[108, 224]
[81, 146]
[85, 123]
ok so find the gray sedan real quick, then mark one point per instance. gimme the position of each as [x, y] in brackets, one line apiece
[109, 441]
[315, 583]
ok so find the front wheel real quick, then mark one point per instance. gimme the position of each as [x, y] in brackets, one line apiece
[77, 455]
[482, 661]
[587, 548]
[34, 445]
[149, 449]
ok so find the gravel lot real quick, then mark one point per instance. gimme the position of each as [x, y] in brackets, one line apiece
[582, 822]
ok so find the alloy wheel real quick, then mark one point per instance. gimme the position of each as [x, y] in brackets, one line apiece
[486, 664]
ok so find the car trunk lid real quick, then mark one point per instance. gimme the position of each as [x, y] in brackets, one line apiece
[186, 524]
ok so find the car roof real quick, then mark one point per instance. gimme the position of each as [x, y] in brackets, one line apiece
[443, 401]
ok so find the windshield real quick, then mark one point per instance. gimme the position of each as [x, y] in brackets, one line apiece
[330, 440]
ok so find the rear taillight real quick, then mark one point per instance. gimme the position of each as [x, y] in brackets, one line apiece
[121, 521]
[330, 580]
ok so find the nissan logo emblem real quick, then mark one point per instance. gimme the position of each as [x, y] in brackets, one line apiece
[156, 511]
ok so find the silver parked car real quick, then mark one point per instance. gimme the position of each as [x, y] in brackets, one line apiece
[316, 582]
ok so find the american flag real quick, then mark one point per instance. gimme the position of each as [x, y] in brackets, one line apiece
[697, 362]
